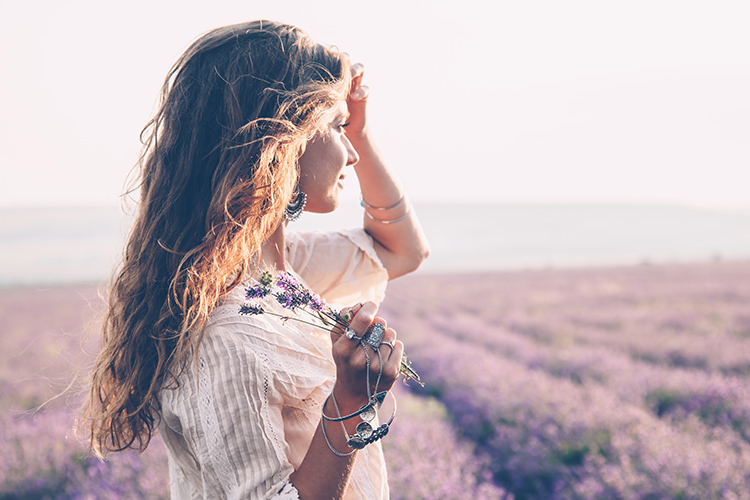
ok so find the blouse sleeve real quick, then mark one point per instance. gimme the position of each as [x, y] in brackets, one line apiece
[228, 409]
[341, 266]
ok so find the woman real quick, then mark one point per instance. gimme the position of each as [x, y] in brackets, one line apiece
[256, 122]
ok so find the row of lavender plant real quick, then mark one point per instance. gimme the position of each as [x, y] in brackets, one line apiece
[569, 414]
[552, 438]
[44, 459]
[427, 459]
[667, 391]
[691, 316]
[567, 348]
[617, 383]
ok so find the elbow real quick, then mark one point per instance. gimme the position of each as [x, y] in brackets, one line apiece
[422, 256]
[417, 257]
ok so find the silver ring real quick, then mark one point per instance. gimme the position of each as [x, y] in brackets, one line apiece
[389, 344]
[374, 335]
[351, 334]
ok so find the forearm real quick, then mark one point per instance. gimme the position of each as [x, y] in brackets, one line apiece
[404, 245]
[323, 473]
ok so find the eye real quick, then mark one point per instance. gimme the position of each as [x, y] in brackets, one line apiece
[343, 125]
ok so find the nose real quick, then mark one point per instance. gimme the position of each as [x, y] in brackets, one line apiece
[352, 157]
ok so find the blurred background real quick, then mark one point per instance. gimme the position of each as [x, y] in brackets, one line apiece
[551, 149]
[526, 134]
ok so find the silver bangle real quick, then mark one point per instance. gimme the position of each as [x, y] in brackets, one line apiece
[363, 409]
[392, 221]
[364, 204]
[330, 445]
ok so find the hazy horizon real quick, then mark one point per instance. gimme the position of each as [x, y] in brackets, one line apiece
[82, 244]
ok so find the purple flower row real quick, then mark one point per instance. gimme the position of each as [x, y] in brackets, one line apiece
[427, 458]
[43, 459]
[622, 383]
[552, 438]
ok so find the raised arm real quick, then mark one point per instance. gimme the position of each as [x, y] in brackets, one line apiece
[389, 217]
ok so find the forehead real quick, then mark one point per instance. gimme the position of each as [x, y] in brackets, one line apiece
[333, 115]
[340, 109]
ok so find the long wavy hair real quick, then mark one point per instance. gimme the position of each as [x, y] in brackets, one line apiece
[219, 166]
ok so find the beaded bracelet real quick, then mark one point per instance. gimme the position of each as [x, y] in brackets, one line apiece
[365, 434]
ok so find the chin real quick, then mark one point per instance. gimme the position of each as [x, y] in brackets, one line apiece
[323, 207]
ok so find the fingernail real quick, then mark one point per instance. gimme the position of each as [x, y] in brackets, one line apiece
[360, 93]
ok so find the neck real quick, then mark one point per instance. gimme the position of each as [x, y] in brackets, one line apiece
[273, 250]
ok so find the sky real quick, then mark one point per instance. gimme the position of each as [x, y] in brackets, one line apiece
[471, 101]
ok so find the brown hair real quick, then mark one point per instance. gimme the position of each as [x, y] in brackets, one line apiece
[219, 166]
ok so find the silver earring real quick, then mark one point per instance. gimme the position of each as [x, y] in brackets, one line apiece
[296, 206]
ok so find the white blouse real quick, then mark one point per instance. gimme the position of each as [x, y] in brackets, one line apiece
[247, 408]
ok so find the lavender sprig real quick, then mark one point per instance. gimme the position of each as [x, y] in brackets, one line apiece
[292, 295]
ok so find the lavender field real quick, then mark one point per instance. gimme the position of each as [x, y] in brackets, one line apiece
[608, 383]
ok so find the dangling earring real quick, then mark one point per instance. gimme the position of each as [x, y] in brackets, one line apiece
[295, 207]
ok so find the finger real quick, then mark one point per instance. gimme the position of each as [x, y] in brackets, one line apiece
[357, 71]
[363, 317]
[388, 343]
[355, 92]
[360, 94]
[392, 367]
[368, 353]
[348, 313]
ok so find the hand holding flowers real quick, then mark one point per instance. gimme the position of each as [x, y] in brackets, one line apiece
[359, 340]
[309, 308]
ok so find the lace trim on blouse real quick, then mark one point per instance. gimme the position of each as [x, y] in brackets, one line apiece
[210, 421]
[288, 492]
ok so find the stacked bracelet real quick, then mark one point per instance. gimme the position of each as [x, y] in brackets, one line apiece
[367, 206]
[364, 204]
[364, 432]
[392, 221]
[365, 412]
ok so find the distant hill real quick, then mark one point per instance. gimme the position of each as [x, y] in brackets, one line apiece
[82, 244]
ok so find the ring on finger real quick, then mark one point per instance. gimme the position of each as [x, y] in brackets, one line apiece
[374, 335]
[389, 344]
[351, 334]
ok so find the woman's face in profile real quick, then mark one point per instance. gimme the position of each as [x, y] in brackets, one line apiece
[323, 163]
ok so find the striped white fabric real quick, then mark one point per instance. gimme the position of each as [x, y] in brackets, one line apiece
[247, 408]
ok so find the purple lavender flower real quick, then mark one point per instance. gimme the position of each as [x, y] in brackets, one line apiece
[251, 309]
[316, 303]
[285, 300]
[257, 291]
[297, 295]
[293, 295]
[287, 282]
